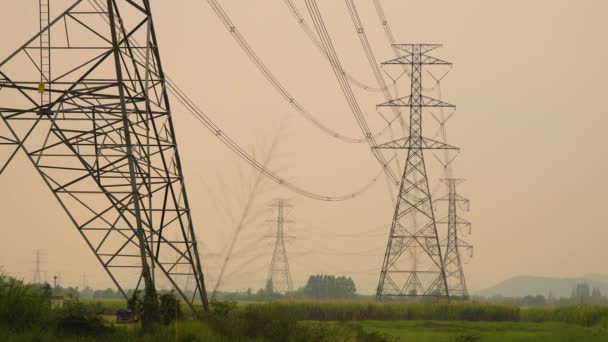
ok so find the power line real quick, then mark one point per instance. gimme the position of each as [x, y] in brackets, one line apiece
[206, 121]
[346, 89]
[304, 25]
[371, 58]
[279, 87]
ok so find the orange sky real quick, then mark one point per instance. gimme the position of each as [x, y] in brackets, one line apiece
[528, 81]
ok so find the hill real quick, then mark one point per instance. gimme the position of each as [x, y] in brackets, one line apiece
[521, 286]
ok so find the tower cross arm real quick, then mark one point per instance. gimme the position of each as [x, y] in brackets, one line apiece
[409, 101]
[409, 60]
[407, 143]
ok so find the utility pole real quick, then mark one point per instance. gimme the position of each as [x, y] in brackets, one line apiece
[413, 262]
[101, 136]
[279, 276]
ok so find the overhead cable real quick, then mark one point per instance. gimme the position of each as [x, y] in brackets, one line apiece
[239, 151]
[279, 87]
[346, 89]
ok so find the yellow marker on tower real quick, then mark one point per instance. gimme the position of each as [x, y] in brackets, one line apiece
[41, 87]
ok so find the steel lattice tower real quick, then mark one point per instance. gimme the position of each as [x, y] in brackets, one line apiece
[457, 286]
[413, 263]
[279, 276]
[100, 134]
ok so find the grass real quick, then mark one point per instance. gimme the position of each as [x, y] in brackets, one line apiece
[186, 331]
[349, 311]
[418, 331]
[585, 315]
[460, 331]
[26, 315]
[110, 305]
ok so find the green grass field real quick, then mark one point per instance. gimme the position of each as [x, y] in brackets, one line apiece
[460, 331]
[422, 322]
[26, 315]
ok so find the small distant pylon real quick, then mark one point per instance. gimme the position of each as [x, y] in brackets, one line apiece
[84, 283]
[457, 286]
[37, 277]
[279, 276]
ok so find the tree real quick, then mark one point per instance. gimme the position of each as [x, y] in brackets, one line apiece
[329, 286]
[269, 288]
[581, 293]
[170, 308]
[596, 295]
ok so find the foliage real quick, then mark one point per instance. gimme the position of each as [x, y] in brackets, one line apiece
[585, 315]
[274, 326]
[170, 307]
[23, 306]
[329, 286]
[222, 308]
[343, 311]
[80, 318]
[135, 303]
[151, 309]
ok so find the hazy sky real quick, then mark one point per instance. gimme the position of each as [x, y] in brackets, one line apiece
[528, 81]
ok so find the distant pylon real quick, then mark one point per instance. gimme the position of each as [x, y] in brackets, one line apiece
[279, 276]
[413, 262]
[457, 286]
[37, 277]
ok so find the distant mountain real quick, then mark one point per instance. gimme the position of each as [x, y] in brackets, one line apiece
[520, 286]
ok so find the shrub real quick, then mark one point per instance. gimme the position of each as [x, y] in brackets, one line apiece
[81, 319]
[23, 306]
[222, 308]
[170, 308]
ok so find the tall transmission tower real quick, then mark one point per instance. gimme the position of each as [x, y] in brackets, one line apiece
[37, 276]
[279, 276]
[457, 286]
[100, 134]
[413, 262]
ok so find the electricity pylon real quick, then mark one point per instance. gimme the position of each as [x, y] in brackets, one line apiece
[37, 277]
[413, 262]
[279, 276]
[457, 286]
[100, 134]
[453, 243]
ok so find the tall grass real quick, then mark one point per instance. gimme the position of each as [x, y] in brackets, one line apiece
[23, 306]
[345, 311]
[585, 315]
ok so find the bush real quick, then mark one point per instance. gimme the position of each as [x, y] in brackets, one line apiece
[222, 308]
[23, 306]
[267, 325]
[82, 319]
[170, 308]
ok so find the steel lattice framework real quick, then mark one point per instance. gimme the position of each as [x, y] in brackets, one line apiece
[413, 262]
[454, 273]
[279, 276]
[100, 134]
